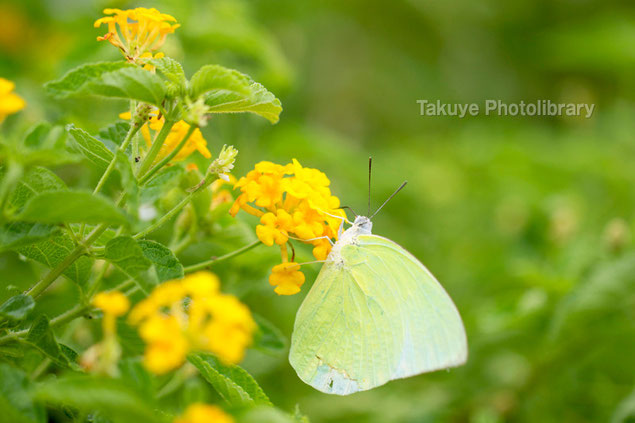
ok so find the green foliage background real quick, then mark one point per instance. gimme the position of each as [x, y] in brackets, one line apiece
[527, 222]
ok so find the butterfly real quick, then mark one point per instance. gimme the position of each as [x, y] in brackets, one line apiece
[374, 314]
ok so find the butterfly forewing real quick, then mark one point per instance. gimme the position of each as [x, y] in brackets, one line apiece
[374, 314]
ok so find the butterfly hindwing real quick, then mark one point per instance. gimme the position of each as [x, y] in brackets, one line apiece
[374, 314]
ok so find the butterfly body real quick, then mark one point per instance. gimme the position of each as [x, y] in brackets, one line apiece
[374, 314]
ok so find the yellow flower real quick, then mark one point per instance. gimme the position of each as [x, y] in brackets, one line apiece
[292, 201]
[191, 314]
[287, 278]
[274, 227]
[136, 31]
[113, 304]
[203, 413]
[10, 102]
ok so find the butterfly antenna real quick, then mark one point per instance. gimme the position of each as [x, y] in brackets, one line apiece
[370, 167]
[389, 198]
[350, 208]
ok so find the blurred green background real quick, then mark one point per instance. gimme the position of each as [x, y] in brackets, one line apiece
[526, 221]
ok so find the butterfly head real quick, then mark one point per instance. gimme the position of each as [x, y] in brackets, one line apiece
[363, 224]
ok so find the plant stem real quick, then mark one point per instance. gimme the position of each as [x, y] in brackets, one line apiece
[111, 166]
[67, 316]
[155, 147]
[204, 184]
[169, 157]
[205, 264]
[156, 225]
[77, 252]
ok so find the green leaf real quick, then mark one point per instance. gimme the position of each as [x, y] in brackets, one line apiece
[125, 253]
[216, 78]
[36, 181]
[165, 179]
[267, 415]
[43, 135]
[16, 405]
[41, 337]
[91, 148]
[19, 234]
[52, 251]
[172, 71]
[268, 338]
[89, 394]
[110, 79]
[113, 135]
[17, 307]
[232, 383]
[258, 101]
[165, 262]
[71, 207]
[625, 410]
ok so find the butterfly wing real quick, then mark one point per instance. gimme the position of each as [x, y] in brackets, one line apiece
[374, 314]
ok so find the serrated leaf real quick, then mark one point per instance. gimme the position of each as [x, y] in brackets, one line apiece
[268, 338]
[89, 394]
[259, 101]
[16, 405]
[171, 70]
[71, 207]
[52, 251]
[36, 181]
[41, 337]
[113, 135]
[15, 235]
[19, 234]
[232, 383]
[125, 253]
[215, 78]
[164, 179]
[165, 262]
[91, 148]
[17, 307]
[110, 79]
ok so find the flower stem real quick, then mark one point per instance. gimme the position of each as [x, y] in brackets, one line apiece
[155, 147]
[111, 166]
[169, 157]
[208, 263]
[77, 252]
[169, 215]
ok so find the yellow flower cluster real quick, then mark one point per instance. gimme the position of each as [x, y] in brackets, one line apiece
[203, 413]
[295, 202]
[136, 32]
[10, 102]
[196, 142]
[191, 314]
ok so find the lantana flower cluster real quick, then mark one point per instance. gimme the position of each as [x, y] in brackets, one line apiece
[293, 202]
[136, 32]
[191, 314]
[10, 102]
